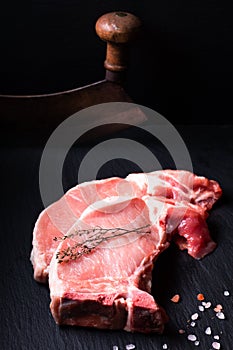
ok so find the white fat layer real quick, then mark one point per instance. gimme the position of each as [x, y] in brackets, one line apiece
[156, 179]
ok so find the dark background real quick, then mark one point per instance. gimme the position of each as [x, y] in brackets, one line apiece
[182, 67]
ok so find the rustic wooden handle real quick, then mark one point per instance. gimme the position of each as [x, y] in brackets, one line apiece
[118, 29]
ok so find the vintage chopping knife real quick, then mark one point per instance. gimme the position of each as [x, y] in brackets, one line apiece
[45, 112]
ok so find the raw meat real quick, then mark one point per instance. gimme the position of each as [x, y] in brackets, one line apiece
[108, 285]
[57, 219]
[179, 185]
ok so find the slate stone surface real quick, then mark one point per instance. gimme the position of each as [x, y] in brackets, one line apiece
[26, 322]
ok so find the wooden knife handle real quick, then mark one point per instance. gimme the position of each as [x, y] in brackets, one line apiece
[117, 29]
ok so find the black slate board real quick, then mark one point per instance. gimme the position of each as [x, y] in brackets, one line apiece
[26, 322]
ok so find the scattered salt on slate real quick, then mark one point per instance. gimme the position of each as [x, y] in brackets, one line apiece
[208, 331]
[216, 345]
[192, 337]
[195, 316]
[130, 346]
[220, 315]
[218, 308]
[207, 305]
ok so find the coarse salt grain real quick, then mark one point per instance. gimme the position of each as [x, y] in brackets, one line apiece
[181, 331]
[164, 346]
[175, 298]
[115, 347]
[208, 331]
[208, 305]
[201, 308]
[216, 337]
[220, 315]
[130, 346]
[216, 345]
[226, 293]
[195, 316]
[192, 324]
[197, 342]
[204, 303]
[218, 308]
[200, 297]
[192, 337]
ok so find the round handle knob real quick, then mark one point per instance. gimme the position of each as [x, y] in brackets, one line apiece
[118, 29]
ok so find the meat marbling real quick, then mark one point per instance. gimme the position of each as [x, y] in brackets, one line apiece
[109, 287]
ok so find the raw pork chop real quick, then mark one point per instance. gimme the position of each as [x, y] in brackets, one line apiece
[109, 285]
[100, 240]
[58, 218]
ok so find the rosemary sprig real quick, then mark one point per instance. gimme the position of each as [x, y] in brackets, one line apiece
[95, 237]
